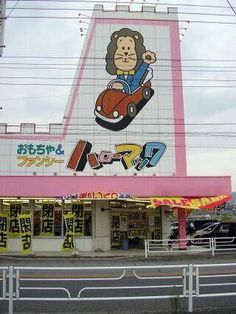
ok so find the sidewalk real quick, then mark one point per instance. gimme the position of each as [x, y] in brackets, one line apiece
[113, 253]
[130, 256]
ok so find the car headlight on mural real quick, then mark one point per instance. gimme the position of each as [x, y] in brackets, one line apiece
[98, 108]
[115, 114]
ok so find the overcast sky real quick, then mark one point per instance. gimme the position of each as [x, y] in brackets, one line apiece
[210, 109]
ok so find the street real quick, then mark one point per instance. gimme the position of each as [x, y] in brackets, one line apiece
[58, 287]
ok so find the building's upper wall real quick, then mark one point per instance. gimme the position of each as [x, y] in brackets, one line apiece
[139, 132]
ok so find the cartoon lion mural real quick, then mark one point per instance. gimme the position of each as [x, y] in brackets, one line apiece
[128, 58]
[127, 94]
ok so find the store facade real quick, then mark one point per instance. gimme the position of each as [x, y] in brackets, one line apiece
[121, 142]
[102, 221]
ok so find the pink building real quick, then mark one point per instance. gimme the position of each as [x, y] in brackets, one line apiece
[121, 142]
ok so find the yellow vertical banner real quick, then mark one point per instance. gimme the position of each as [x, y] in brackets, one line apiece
[115, 229]
[25, 233]
[78, 211]
[15, 211]
[47, 219]
[68, 243]
[3, 233]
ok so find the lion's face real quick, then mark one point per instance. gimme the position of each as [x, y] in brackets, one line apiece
[125, 57]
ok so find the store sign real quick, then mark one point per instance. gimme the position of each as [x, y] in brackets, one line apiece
[191, 203]
[37, 155]
[129, 155]
[98, 195]
[25, 233]
[3, 233]
[68, 243]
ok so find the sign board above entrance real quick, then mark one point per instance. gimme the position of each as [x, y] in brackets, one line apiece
[98, 195]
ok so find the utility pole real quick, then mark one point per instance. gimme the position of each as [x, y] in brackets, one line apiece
[2, 22]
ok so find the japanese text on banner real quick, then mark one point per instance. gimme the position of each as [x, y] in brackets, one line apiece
[78, 211]
[3, 233]
[25, 233]
[47, 219]
[68, 243]
[14, 227]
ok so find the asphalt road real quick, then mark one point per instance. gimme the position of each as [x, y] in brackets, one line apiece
[73, 285]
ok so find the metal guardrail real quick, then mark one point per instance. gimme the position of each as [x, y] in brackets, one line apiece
[29, 283]
[174, 282]
[217, 273]
[211, 245]
[3, 282]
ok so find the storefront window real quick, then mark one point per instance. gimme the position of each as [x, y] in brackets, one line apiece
[83, 217]
[88, 223]
[37, 222]
[13, 208]
[58, 223]
[47, 218]
[133, 222]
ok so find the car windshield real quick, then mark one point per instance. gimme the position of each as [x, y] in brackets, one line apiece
[205, 225]
[210, 227]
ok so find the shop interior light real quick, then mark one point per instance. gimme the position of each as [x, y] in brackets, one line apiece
[9, 199]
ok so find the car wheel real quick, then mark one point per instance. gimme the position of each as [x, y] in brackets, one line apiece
[188, 243]
[132, 110]
[146, 93]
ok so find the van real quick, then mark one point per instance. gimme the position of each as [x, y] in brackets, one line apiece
[223, 229]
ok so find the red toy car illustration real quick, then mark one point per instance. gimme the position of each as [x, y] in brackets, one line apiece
[115, 109]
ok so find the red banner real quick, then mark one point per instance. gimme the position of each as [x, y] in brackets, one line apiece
[190, 203]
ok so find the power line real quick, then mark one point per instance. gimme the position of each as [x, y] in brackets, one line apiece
[232, 8]
[159, 70]
[12, 9]
[179, 12]
[94, 66]
[96, 85]
[95, 58]
[102, 79]
[71, 124]
[33, 97]
[125, 2]
[153, 65]
[77, 18]
[186, 134]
